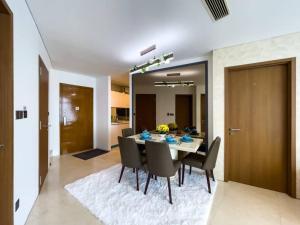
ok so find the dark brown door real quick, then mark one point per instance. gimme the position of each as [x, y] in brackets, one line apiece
[44, 113]
[203, 113]
[257, 112]
[6, 115]
[184, 111]
[145, 112]
[76, 118]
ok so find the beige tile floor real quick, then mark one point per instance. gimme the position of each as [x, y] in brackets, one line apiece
[233, 203]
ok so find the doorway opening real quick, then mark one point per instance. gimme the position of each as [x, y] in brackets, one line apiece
[120, 107]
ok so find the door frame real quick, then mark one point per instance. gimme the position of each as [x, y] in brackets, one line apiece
[291, 63]
[10, 110]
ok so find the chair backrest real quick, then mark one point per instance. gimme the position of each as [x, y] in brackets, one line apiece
[127, 132]
[130, 155]
[159, 160]
[212, 154]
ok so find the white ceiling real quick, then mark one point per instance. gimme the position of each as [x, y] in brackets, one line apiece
[194, 73]
[104, 37]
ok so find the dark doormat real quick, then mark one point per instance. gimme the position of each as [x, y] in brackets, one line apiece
[90, 154]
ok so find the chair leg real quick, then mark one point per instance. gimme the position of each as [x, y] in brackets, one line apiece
[148, 180]
[183, 171]
[169, 187]
[137, 179]
[212, 175]
[122, 170]
[133, 170]
[208, 182]
[190, 170]
[179, 176]
[155, 177]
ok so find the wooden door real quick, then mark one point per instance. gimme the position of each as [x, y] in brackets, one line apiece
[6, 115]
[257, 111]
[184, 111]
[44, 114]
[76, 118]
[145, 112]
[203, 113]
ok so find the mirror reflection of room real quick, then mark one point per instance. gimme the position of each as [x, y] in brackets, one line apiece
[174, 97]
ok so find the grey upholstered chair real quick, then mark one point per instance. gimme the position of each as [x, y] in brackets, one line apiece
[160, 163]
[130, 157]
[206, 163]
[127, 132]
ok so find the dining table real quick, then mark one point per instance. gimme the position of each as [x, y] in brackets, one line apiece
[180, 145]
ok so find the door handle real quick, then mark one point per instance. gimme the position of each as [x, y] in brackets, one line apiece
[43, 126]
[65, 121]
[2, 147]
[232, 130]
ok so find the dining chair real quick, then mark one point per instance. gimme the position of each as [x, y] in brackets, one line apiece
[126, 132]
[131, 157]
[202, 148]
[160, 163]
[207, 162]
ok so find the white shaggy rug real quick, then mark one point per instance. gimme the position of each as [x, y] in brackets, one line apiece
[120, 204]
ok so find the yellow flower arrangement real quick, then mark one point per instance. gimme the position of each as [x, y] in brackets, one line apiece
[162, 128]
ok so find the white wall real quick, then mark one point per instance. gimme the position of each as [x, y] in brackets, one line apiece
[103, 108]
[27, 48]
[271, 49]
[56, 77]
[165, 100]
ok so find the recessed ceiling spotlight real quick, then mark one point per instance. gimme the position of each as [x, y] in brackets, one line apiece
[147, 50]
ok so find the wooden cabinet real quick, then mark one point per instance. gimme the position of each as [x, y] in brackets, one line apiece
[116, 130]
[119, 100]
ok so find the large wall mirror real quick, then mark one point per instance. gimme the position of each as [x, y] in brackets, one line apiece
[174, 96]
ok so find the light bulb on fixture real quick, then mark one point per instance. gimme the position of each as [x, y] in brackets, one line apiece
[164, 59]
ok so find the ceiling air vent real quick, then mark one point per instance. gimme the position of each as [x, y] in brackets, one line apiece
[217, 8]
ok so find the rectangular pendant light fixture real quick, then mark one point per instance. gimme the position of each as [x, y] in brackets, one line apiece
[174, 83]
[164, 59]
